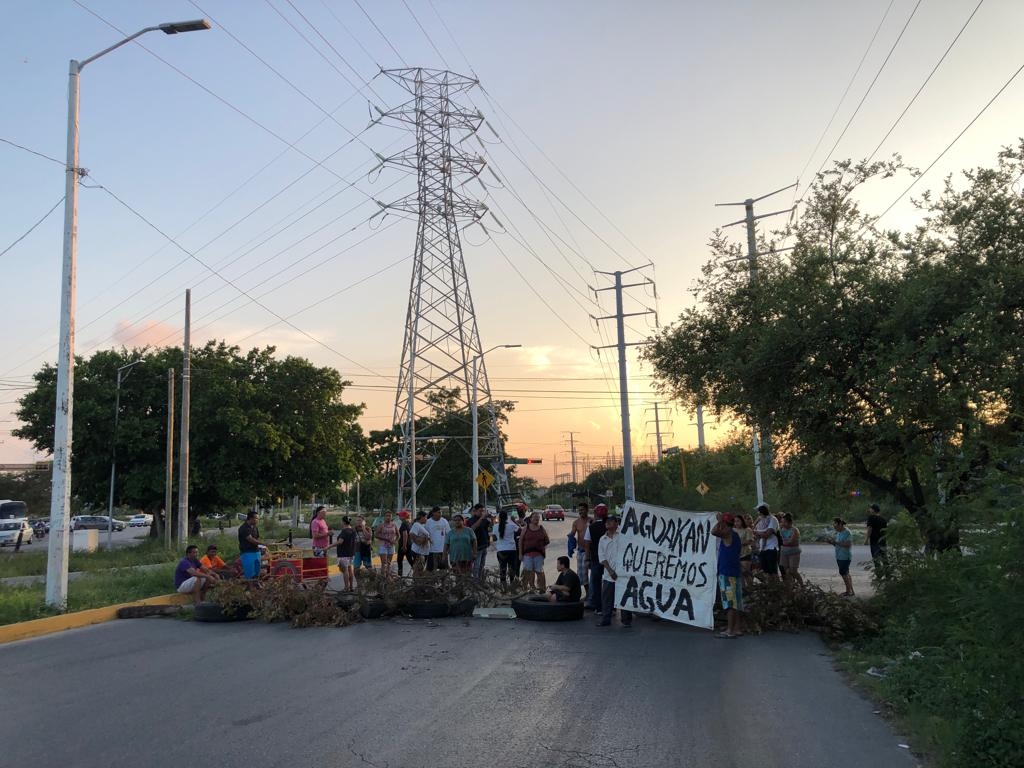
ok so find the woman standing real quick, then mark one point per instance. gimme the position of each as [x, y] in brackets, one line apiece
[460, 546]
[505, 546]
[364, 545]
[789, 554]
[843, 542]
[387, 535]
[742, 530]
[533, 543]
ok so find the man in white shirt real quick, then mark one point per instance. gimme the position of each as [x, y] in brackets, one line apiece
[438, 528]
[766, 530]
[609, 553]
[419, 542]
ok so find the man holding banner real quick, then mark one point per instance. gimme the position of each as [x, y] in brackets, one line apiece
[609, 554]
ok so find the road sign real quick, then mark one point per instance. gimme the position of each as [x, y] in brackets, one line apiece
[703, 488]
[485, 479]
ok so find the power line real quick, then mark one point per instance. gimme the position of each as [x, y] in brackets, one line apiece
[426, 34]
[32, 228]
[926, 80]
[379, 32]
[950, 145]
[33, 152]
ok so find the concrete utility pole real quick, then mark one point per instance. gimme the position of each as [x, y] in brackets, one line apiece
[169, 478]
[658, 432]
[700, 427]
[572, 453]
[620, 317]
[186, 386]
[750, 221]
[60, 493]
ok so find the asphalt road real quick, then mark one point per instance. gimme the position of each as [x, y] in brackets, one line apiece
[454, 693]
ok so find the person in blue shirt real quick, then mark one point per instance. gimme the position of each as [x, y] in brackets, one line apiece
[730, 574]
[190, 578]
[843, 542]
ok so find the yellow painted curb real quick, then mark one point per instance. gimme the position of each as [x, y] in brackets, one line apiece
[25, 630]
[38, 627]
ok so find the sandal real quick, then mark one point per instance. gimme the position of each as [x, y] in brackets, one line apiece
[725, 636]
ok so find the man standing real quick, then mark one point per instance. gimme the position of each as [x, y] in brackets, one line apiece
[346, 550]
[595, 531]
[320, 532]
[730, 574]
[249, 546]
[438, 528]
[480, 524]
[419, 543]
[403, 553]
[609, 555]
[566, 588]
[876, 538]
[767, 530]
[579, 531]
[189, 576]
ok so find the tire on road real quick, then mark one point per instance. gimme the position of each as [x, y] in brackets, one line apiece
[214, 613]
[537, 608]
[372, 608]
[346, 600]
[428, 609]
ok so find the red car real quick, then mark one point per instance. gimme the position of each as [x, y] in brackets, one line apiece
[553, 512]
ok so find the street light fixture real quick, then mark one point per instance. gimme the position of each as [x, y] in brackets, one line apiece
[60, 498]
[113, 448]
[476, 420]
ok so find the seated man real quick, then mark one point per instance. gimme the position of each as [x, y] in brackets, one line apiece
[567, 588]
[189, 576]
[212, 562]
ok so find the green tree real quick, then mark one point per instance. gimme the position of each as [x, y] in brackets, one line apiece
[897, 355]
[260, 426]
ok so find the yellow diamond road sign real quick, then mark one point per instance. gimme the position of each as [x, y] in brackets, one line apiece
[703, 488]
[484, 479]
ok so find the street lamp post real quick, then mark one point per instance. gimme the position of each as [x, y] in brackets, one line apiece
[60, 497]
[475, 464]
[113, 448]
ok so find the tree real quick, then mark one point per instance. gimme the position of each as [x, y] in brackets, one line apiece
[260, 426]
[896, 355]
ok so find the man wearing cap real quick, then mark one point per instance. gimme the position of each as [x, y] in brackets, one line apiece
[480, 523]
[730, 574]
[767, 530]
[609, 554]
[402, 544]
[592, 539]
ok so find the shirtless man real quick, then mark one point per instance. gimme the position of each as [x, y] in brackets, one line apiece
[579, 530]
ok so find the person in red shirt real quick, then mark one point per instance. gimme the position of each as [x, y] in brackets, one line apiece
[320, 531]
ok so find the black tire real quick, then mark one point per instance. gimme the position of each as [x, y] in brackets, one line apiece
[464, 607]
[427, 609]
[213, 613]
[537, 608]
[346, 600]
[285, 569]
[373, 608]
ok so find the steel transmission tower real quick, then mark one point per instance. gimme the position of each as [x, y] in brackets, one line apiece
[441, 337]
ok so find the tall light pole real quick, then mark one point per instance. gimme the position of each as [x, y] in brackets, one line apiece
[475, 463]
[60, 497]
[113, 448]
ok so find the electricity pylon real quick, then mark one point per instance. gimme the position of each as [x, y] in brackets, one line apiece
[441, 337]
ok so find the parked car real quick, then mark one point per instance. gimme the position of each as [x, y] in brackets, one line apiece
[553, 512]
[95, 522]
[140, 521]
[9, 530]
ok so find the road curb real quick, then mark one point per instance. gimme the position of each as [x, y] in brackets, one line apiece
[25, 630]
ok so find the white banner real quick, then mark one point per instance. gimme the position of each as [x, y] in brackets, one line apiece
[669, 564]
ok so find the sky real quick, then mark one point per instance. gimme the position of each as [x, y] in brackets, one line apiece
[612, 129]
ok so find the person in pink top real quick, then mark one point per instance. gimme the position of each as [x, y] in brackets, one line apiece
[387, 536]
[320, 531]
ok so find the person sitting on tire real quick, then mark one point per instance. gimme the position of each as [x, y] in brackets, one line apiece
[567, 587]
[189, 576]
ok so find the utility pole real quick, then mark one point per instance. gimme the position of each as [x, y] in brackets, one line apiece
[169, 479]
[700, 428]
[572, 453]
[750, 221]
[620, 317]
[658, 433]
[186, 382]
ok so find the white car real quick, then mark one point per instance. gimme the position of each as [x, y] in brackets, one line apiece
[140, 521]
[9, 530]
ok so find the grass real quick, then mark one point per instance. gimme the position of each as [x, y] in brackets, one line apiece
[94, 591]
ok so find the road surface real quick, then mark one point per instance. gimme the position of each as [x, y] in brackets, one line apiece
[457, 693]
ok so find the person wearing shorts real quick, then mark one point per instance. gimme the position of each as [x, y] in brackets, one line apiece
[249, 547]
[789, 554]
[843, 542]
[320, 532]
[386, 535]
[189, 576]
[419, 543]
[533, 542]
[346, 551]
[730, 574]
[364, 545]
